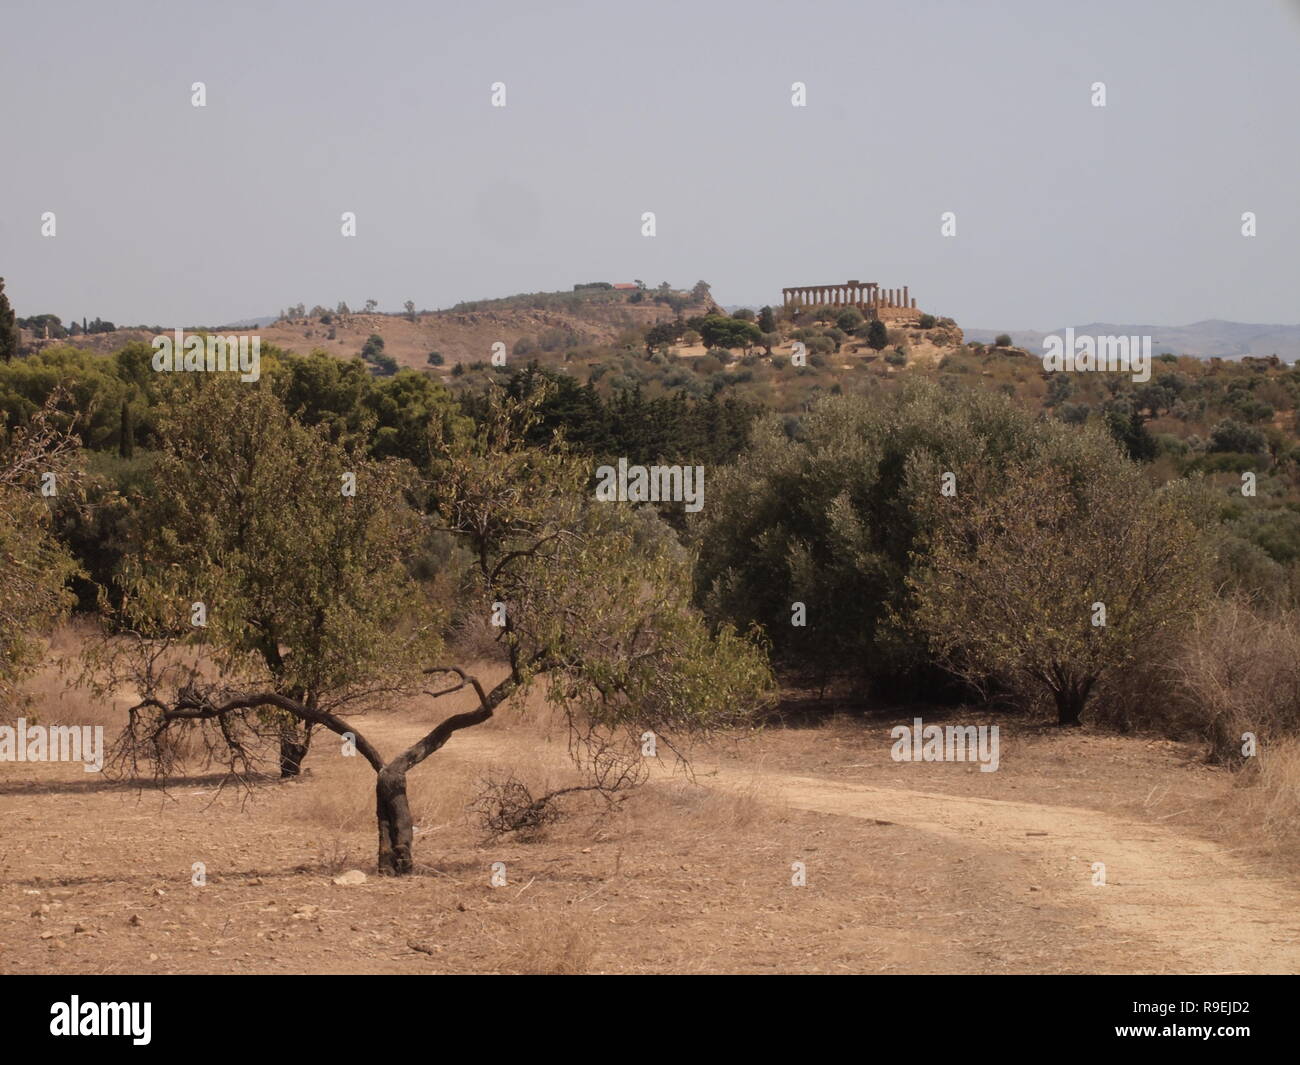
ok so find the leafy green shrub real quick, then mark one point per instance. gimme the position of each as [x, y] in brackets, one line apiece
[1229, 435]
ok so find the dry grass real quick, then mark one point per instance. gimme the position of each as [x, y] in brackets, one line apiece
[707, 808]
[346, 805]
[1267, 798]
[51, 696]
[52, 701]
[1238, 673]
[547, 944]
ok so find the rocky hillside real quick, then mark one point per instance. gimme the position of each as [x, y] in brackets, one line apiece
[463, 334]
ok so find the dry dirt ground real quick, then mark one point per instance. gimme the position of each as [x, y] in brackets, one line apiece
[910, 868]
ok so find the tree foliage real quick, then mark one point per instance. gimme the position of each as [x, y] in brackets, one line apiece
[9, 335]
[295, 547]
[1070, 571]
[596, 598]
[719, 331]
[34, 565]
[830, 520]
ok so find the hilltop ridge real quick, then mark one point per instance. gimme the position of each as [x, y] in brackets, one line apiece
[461, 334]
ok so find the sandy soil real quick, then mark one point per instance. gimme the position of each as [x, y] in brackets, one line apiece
[914, 868]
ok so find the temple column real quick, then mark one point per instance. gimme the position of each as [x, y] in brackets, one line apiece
[906, 300]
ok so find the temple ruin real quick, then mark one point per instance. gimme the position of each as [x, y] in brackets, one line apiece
[867, 296]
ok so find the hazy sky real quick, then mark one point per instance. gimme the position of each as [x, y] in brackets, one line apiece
[1066, 212]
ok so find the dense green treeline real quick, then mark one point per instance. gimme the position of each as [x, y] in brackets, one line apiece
[845, 533]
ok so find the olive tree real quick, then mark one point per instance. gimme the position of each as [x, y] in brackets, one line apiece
[275, 554]
[1073, 569]
[590, 596]
[812, 532]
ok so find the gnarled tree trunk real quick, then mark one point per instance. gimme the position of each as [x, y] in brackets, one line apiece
[1070, 700]
[292, 752]
[1068, 708]
[393, 813]
[294, 744]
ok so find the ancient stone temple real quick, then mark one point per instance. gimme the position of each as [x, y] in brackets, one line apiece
[867, 296]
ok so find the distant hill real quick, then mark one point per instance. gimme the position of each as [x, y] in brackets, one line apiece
[249, 323]
[559, 320]
[1202, 340]
[525, 323]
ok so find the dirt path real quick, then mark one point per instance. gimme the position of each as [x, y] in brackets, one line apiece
[96, 877]
[1190, 896]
